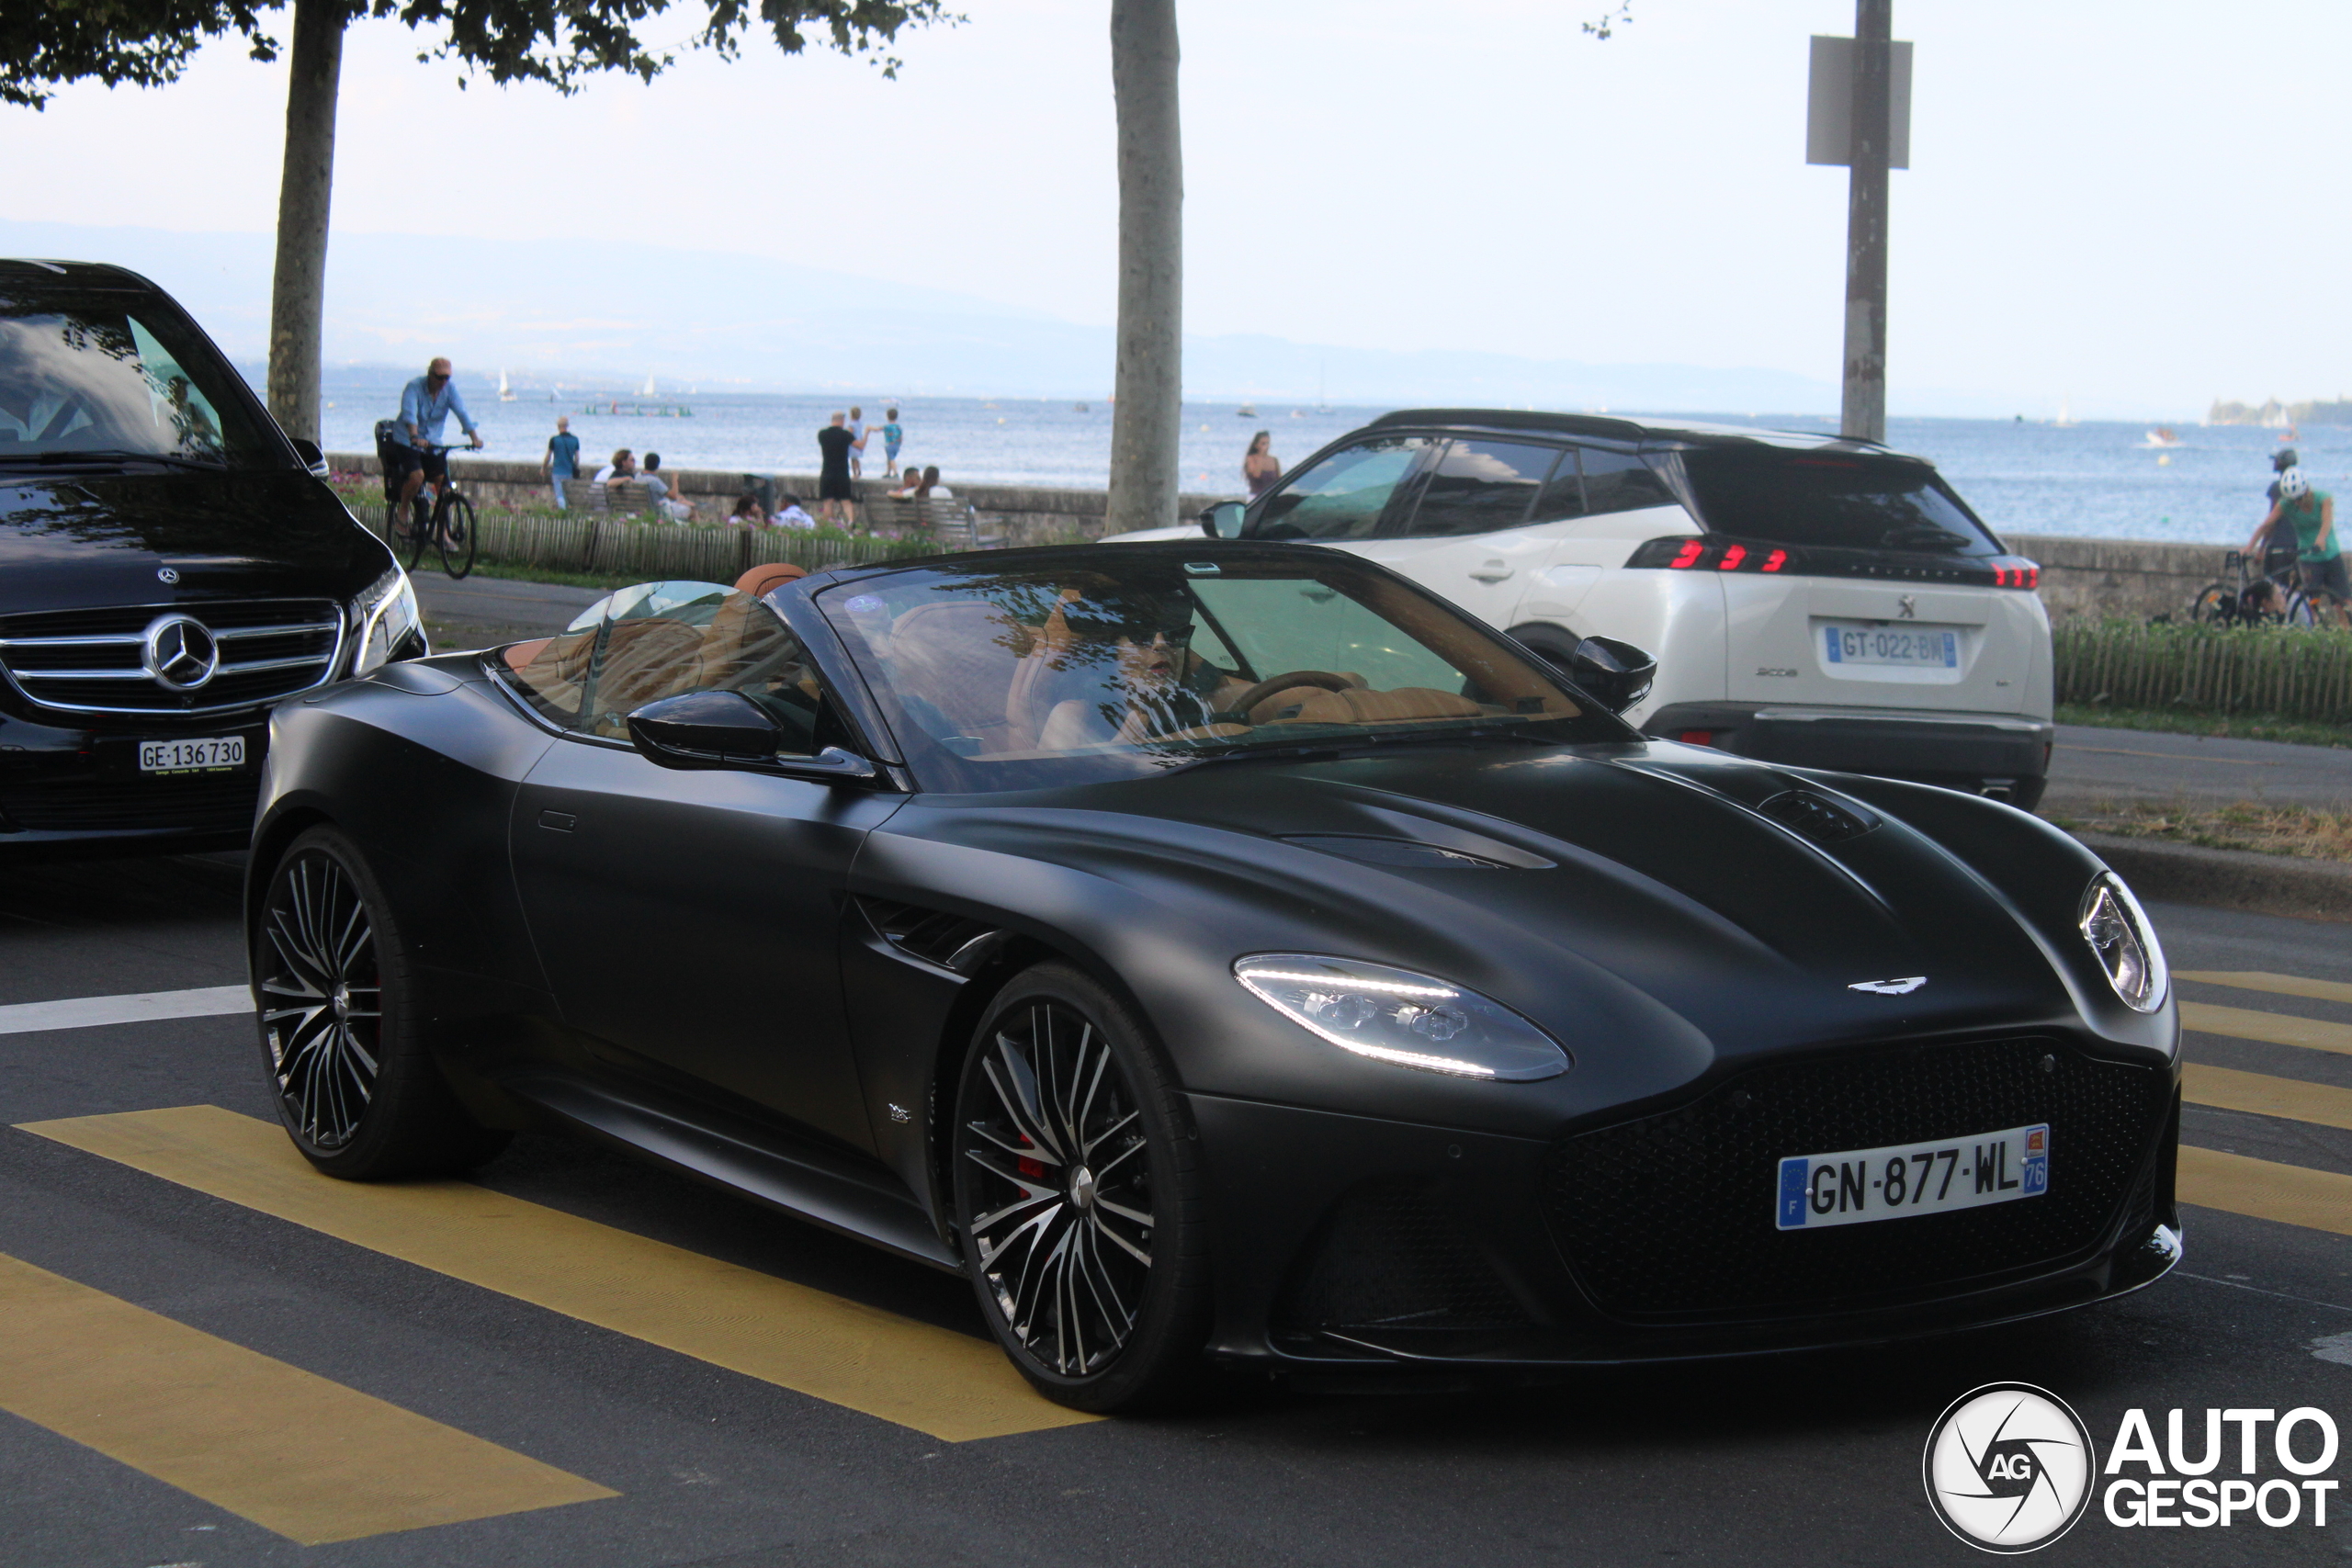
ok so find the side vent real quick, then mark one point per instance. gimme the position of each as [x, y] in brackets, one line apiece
[1817, 817]
[950, 941]
[1392, 852]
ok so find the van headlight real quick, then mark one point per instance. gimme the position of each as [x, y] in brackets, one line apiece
[2124, 942]
[1397, 1016]
[385, 613]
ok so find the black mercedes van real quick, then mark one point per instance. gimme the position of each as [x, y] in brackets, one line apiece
[171, 565]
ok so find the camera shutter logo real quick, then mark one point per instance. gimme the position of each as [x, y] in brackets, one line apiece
[2008, 1468]
[179, 652]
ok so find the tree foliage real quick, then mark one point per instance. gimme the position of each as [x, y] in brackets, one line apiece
[45, 44]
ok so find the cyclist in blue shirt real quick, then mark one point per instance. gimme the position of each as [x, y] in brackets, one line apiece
[426, 404]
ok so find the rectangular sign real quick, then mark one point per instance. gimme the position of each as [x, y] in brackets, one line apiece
[1829, 104]
[1903, 1179]
[1905, 646]
[213, 755]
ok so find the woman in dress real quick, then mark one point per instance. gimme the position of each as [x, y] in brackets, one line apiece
[1260, 466]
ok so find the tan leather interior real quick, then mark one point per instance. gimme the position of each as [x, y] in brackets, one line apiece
[1313, 705]
[767, 576]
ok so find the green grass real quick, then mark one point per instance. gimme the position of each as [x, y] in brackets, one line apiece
[2190, 721]
[485, 567]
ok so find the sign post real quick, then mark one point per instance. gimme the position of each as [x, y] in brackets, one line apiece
[1858, 114]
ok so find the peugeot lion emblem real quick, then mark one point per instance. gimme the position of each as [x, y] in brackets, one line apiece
[1903, 988]
[1908, 606]
[179, 652]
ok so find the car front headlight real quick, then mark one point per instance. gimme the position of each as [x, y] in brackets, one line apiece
[1398, 1016]
[385, 613]
[2124, 942]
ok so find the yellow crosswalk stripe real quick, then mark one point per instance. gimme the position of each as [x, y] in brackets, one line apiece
[2320, 1104]
[2290, 1194]
[2262, 980]
[952, 1386]
[2277, 1028]
[310, 1458]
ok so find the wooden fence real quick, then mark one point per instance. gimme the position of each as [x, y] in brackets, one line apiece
[648, 552]
[2295, 674]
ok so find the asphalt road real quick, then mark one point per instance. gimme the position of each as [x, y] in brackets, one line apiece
[309, 1370]
[2093, 766]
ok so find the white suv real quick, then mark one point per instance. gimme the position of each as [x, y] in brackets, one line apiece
[1812, 601]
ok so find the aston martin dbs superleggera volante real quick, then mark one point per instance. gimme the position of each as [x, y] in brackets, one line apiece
[1217, 951]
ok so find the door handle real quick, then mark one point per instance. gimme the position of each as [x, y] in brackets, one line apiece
[1493, 570]
[560, 821]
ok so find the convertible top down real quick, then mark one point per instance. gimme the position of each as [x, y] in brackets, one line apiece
[1218, 949]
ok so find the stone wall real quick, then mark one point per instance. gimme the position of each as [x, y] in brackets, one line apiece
[2131, 579]
[1029, 514]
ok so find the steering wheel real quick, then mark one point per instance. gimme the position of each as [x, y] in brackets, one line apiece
[1241, 704]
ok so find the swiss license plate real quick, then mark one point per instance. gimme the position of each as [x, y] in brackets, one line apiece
[1907, 648]
[216, 755]
[1902, 1179]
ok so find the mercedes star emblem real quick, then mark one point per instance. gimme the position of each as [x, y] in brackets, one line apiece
[179, 652]
[165, 574]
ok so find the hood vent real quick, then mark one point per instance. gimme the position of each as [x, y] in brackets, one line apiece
[1817, 817]
[1403, 853]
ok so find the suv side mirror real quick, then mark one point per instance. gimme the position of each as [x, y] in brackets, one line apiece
[313, 458]
[727, 730]
[1223, 521]
[1616, 675]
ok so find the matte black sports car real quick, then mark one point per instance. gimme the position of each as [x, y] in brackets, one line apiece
[1218, 949]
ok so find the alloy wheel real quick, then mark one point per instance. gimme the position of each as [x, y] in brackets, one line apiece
[322, 1012]
[1060, 1199]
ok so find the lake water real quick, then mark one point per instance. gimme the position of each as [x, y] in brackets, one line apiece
[2095, 481]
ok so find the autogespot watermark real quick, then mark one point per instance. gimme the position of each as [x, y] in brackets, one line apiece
[2009, 1468]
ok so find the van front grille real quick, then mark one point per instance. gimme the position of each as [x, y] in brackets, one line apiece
[131, 660]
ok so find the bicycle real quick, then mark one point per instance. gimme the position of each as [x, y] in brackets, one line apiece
[443, 517]
[2245, 602]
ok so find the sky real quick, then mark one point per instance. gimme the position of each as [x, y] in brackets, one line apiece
[2121, 204]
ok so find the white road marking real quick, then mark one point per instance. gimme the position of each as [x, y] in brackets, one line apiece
[85, 1012]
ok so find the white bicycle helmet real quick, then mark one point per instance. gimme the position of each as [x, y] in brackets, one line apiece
[2293, 485]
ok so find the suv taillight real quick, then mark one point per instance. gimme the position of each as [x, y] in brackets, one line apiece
[2015, 571]
[1685, 553]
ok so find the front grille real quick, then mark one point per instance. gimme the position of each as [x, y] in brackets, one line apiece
[90, 661]
[201, 805]
[1669, 1217]
[1389, 1256]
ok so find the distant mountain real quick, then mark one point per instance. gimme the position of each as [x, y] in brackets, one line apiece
[617, 311]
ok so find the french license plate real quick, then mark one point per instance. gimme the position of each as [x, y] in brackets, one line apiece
[1907, 648]
[1902, 1179]
[218, 755]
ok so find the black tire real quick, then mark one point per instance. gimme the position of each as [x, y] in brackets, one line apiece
[356, 1087]
[1099, 1312]
[2215, 606]
[454, 529]
[418, 532]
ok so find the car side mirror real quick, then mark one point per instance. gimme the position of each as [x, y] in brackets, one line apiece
[312, 458]
[1616, 674]
[1223, 521]
[727, 730]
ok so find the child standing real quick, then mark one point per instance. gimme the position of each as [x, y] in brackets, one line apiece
[891, 436]
[858, 441]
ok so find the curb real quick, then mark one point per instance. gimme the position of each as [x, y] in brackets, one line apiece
[2228, 879]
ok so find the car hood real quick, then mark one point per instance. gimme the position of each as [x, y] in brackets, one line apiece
[1587, 870]
[83, 540]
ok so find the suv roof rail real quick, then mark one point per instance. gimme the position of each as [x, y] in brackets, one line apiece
[1519, 418]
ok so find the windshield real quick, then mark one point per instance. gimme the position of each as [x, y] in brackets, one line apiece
[1089, 664]
[1825, 499]
[91, 375]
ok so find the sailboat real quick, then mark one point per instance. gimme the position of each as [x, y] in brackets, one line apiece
[2065, 420]
[505, 392]
[649, 387]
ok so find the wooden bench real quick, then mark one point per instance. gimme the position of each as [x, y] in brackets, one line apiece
[952, 523]
[623, 497]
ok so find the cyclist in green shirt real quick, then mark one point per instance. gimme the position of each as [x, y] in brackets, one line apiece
[2319, 560]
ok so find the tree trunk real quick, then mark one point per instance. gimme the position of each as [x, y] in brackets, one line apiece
[1149, 382]
[297, 291]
